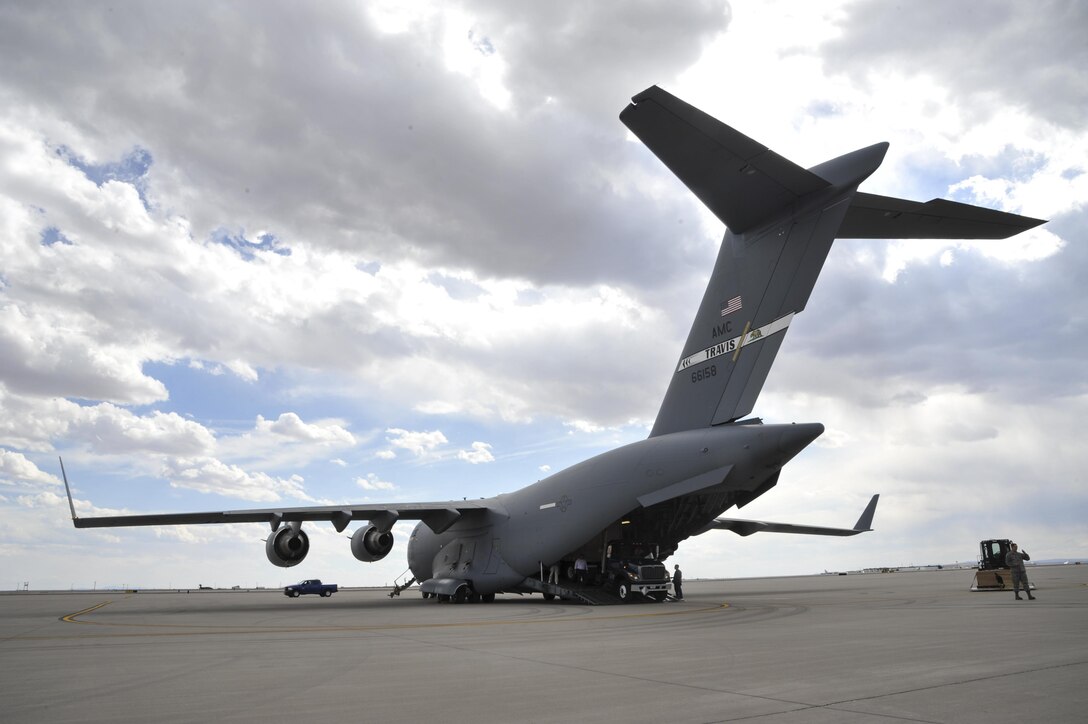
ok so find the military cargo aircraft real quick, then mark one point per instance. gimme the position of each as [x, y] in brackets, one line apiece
[704, 455]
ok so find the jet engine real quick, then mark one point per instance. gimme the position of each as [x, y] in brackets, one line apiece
[287, 545]
[369, 544]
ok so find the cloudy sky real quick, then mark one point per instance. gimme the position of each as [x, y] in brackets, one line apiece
[264, 253]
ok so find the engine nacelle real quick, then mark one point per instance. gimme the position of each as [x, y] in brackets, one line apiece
[287, 546]
[369, 544]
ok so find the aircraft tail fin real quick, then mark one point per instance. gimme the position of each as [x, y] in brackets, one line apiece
[780, 220]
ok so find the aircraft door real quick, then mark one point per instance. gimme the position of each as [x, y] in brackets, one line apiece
[494, 557]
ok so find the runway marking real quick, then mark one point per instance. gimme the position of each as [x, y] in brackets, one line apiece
[208, 630]
[71, 618]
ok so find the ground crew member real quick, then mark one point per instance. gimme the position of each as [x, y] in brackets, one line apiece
[580, 568]
[678, 582]
[1014, 559]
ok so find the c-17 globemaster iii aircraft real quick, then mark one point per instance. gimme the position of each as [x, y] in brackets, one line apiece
[703, 455]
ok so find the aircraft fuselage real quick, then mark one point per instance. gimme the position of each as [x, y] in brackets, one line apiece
[569, 512]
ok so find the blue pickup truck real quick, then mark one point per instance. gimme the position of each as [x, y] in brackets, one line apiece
[311, 586]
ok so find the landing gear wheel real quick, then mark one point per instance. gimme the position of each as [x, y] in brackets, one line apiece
[425, 594]
[461, 595]
[488, 598]
[549, 596]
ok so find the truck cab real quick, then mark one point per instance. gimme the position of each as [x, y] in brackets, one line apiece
[632, 569]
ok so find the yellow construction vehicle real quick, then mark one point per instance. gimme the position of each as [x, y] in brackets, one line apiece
[992, 573]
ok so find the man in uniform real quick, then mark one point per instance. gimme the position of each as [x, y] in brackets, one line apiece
[678, 582]
[1014, 559]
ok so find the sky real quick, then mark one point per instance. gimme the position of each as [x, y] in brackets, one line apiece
[272, 253]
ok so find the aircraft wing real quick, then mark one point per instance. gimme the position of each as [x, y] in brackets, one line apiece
[748, 527]
[438, 516]
[883, 217]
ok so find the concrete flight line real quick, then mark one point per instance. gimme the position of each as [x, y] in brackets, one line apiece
[75, 618]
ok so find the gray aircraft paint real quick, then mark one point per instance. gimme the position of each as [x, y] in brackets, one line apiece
[700, 459]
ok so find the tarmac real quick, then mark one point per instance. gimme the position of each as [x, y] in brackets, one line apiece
[892, 647]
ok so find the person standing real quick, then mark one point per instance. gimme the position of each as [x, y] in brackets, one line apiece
[1014, 559]
[580, 568]
[678, 583]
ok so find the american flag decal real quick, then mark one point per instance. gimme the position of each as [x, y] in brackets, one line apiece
[731, 306]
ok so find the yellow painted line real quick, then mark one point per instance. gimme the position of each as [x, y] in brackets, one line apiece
[71, 618]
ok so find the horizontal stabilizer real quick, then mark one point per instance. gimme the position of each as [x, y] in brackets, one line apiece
[883, 217]
[748, 527]
[742, 181]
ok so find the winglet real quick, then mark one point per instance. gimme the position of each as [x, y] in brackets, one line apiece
[68, 490]
[865, 522]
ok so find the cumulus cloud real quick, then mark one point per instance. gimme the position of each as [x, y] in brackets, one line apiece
[441, 193]
[103, 428]
[286, 442]
[373, 482]
[480, 453]
[16, 470]
[110, 429]
[40, 355]
[592, 47]
[208, 475]
[291, 426]
[419, 443]
[206, 285]
[1030, 59]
